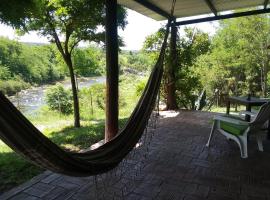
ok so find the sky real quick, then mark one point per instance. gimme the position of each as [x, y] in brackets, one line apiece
[134, 34]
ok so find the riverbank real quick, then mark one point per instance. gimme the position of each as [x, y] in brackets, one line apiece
[32, 99]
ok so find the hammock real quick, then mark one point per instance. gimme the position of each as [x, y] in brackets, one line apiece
[25, 139]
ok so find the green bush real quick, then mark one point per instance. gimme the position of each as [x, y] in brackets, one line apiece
[98, 92]
[140, 87]
[59, 99]
[11, 87]
[92, 100]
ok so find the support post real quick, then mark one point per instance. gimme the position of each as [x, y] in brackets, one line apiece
[171, 98]
[112, 70]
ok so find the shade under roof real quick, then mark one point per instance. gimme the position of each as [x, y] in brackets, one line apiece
[188, 8]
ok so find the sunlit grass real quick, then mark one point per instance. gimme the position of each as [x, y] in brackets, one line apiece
[233, 109]
[14, 169]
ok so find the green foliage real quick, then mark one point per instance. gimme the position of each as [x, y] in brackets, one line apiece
[5, 73]
[30, 64]
[14, 170]
[75, 21]
[59, 99]
[98, 91]
[140, 87]
[92, 100]
[11, 87]
[191, 46]
[14, 12]
[153, 43]
[89, 61]
[135, 62]
[78, 20]
[238, 63]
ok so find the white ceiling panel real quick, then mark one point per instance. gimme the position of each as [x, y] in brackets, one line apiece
[188, 8]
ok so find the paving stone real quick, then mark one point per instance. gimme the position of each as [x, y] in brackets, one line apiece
[178, 167]
[190, 188]
[147, 190]
[62, 182]
[67, 195]
[54, 193]
[220, 197]
[39, 190]
[15, 191]
[202, 191]
[23, 196]
[190, 197]
[50, 178]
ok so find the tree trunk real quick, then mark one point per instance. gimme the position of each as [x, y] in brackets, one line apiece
[171, 98]
[74, 92]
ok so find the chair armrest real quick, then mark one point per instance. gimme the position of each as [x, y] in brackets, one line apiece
[230, 120]
[243, 112]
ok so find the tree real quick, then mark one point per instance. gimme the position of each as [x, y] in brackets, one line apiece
[193, 44]
[14, 12]
[88, 61]
[152, 45]
[190, 47]
[34, 64]
[66, 23]
[239, 61]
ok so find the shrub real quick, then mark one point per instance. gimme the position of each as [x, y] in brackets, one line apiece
[98, 92]
[11, 87]
[93, 99]
[140, 87]
[59, 99]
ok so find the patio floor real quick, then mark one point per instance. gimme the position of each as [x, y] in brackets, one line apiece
[179, 166]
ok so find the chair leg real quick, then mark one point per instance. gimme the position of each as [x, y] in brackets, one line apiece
[259, 142]
[211, 133]
[243, 146]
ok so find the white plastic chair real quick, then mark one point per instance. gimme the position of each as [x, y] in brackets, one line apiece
[238, 129]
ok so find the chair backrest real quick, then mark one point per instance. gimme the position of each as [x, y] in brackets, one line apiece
[262, 116]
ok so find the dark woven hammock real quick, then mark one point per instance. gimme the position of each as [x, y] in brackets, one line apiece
[25, 139]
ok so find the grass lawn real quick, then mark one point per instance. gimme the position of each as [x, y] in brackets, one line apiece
[15, 170]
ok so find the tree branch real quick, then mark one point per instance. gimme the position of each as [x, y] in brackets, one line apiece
[55, 36]
[74, 45]
[68, 34]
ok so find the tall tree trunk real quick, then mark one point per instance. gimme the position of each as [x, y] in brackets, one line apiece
[74, 92]
[171, 98]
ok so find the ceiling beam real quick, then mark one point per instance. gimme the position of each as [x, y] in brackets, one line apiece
[265, 4]
[211, 6]
[154, 8]
[220, 17]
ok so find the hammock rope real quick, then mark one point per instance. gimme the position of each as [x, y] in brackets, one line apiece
[129, 169]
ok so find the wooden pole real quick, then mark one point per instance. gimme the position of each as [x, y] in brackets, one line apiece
[112, 70]
[171, 98]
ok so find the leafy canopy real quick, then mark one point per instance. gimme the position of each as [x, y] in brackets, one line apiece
[72, 21]
[15, 12]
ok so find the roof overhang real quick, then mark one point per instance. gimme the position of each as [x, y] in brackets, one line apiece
[161, 9]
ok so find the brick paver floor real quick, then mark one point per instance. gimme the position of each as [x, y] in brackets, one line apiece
[178, 166]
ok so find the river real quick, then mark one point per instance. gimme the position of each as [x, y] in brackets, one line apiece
[31, 100]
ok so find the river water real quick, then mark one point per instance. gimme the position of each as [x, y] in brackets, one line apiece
[31, 100]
